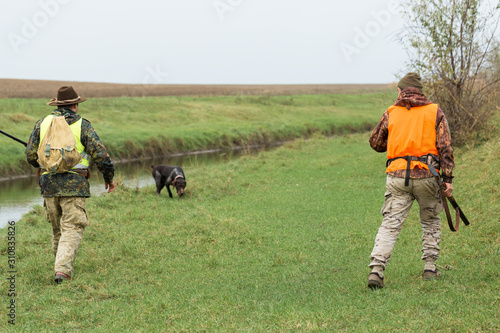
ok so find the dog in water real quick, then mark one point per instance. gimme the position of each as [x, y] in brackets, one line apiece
[167, 175]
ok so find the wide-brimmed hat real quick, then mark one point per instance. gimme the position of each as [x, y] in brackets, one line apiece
[66, 96]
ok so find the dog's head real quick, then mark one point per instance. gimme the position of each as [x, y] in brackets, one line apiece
[180, 184]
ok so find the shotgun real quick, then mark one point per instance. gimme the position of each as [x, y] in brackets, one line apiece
[458, 210]
[14, 138]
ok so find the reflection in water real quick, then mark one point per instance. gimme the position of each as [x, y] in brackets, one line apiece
[17, 197]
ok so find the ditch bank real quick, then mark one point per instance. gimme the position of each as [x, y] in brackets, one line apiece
[130, 151]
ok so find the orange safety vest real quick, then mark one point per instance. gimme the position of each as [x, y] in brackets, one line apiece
[411, 133]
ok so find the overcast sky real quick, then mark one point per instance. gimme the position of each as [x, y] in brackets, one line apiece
[201, 41]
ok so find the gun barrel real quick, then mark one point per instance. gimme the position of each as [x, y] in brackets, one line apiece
[14, 138]
[456, 206]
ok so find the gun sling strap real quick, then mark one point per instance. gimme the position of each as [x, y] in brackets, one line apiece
[425, 159]
[458, 210]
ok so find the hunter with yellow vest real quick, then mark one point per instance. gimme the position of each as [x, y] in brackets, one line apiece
[414, 133]
[65, 193]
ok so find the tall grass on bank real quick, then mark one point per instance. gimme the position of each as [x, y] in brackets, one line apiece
[157, 126]
[275, 242]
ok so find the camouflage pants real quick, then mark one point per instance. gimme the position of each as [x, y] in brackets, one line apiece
[398, 201]
[68, 218]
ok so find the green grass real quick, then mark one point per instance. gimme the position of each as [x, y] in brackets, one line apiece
[274, 242]
[135, 127]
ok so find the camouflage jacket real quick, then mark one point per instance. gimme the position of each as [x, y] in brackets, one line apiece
[70, 184]
[411, 97]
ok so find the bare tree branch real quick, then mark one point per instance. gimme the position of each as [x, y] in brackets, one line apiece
[457, 53]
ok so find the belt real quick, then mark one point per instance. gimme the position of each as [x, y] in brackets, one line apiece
[424, 159]
[82, 172]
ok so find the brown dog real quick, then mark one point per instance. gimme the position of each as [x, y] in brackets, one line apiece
[167, 175]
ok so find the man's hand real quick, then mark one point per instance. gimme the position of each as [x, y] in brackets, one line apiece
[448, 190]
[110, 186]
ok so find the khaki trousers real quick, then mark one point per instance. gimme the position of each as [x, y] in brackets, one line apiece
[398, 201]
[68, 218]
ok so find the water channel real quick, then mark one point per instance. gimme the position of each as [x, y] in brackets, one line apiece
[18, 196]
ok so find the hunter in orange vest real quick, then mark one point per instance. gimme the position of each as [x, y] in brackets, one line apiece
[414, 133]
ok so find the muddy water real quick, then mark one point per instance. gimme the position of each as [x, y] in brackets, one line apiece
[18, 196]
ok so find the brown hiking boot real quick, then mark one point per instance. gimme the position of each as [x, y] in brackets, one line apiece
[375, 281]
[431, 275]
[61, 277]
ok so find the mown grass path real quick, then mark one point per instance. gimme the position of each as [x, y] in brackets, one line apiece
[274, 242]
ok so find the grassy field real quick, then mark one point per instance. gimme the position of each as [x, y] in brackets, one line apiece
[276, 242]
[157, 126]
